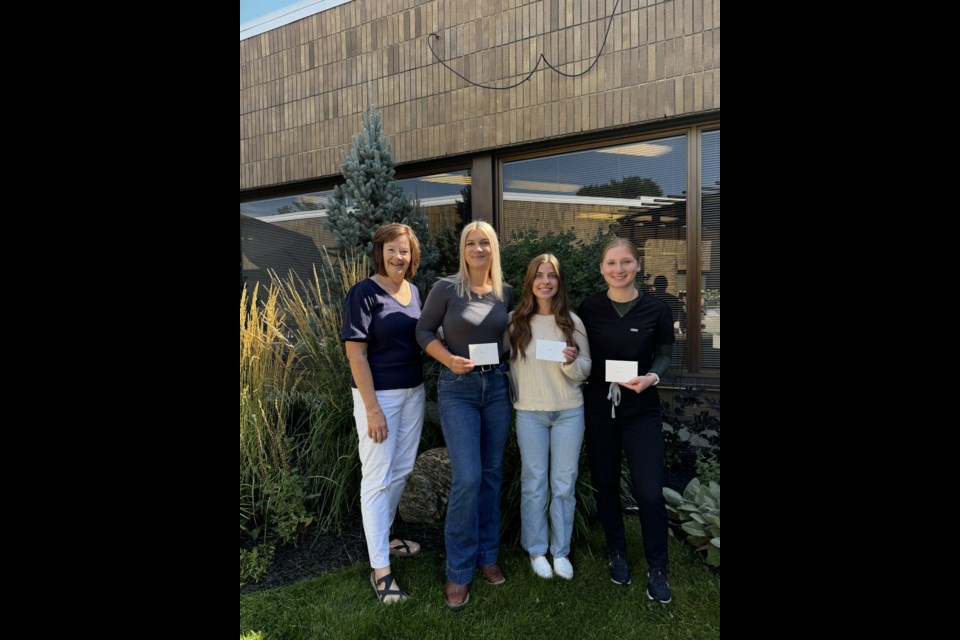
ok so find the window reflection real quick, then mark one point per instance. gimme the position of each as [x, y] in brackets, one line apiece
[710, 232]
[286, 206]
[285, 234]
[638, 187]
[444, 197]
[289, 233]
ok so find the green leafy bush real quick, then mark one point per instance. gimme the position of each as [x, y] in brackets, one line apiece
[254, 562]
[692, 428]
[708, 467]
[286, 508]
[324, 445]
[579, 260]
[697, 512]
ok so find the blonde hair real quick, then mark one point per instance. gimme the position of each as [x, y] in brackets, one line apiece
[620, 242]
[462, 279]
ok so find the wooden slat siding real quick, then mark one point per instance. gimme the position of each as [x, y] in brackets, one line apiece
[303, 86]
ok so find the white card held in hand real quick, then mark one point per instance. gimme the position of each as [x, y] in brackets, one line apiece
[621, 370]
[551, 350]
[486, 353]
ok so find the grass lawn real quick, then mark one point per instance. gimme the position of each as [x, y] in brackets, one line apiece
[342, 605]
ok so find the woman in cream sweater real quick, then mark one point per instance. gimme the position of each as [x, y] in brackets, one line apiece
[549, 359]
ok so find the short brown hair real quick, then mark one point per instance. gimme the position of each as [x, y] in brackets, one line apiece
[389, 232]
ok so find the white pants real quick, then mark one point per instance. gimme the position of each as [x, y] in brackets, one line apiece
[386, 465]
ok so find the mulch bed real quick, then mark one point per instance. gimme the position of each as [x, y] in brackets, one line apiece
[322, 553]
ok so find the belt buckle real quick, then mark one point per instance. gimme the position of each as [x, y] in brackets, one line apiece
[486, 368]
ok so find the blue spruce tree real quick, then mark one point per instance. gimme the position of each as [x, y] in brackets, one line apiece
[377, 199]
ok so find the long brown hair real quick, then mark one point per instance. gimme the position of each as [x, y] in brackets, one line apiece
[520, 333]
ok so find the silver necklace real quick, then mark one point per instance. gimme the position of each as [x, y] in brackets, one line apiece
[623, 308]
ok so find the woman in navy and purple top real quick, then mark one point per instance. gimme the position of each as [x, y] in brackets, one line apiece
[380, 316]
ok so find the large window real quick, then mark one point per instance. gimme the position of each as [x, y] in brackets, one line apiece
[627, 184]
[444, 197]
[710, 235]
[283, 234]
[640, 189]
[289, 233]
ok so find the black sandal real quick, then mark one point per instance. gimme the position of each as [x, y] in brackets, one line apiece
[384, 593]
[402, 549]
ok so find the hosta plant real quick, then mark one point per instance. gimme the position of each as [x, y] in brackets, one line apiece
[697, 512]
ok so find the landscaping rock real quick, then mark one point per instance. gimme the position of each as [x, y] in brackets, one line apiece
[425, 498]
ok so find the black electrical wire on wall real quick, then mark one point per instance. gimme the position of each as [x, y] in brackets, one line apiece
[540, 59]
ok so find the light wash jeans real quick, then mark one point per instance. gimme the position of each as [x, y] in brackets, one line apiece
[475, 414]
[386, 465]
[549, 446]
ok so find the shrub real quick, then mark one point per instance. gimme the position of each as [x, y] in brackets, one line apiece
[325, 444]
[579, 260]
[266, 376]
[690, 430]
[286, 509]
[708, 467]
[697, 512]
[254, 563]
[376, 198]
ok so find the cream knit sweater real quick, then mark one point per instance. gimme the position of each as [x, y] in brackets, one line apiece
[545, 385]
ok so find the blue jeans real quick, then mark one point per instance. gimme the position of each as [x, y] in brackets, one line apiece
[475, 418]
[549, 445]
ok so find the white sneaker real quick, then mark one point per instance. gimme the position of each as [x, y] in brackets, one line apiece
[563, 568]
[541, 567]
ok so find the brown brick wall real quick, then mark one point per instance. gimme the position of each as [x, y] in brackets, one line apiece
[303, 86]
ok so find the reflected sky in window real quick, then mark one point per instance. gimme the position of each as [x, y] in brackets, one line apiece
[616, 171]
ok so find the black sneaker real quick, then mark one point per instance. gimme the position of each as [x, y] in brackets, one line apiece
[657, 587]
[619, 568]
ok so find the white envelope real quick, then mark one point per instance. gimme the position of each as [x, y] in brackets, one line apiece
[620, 370]
[486, 353]
[551, 350]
